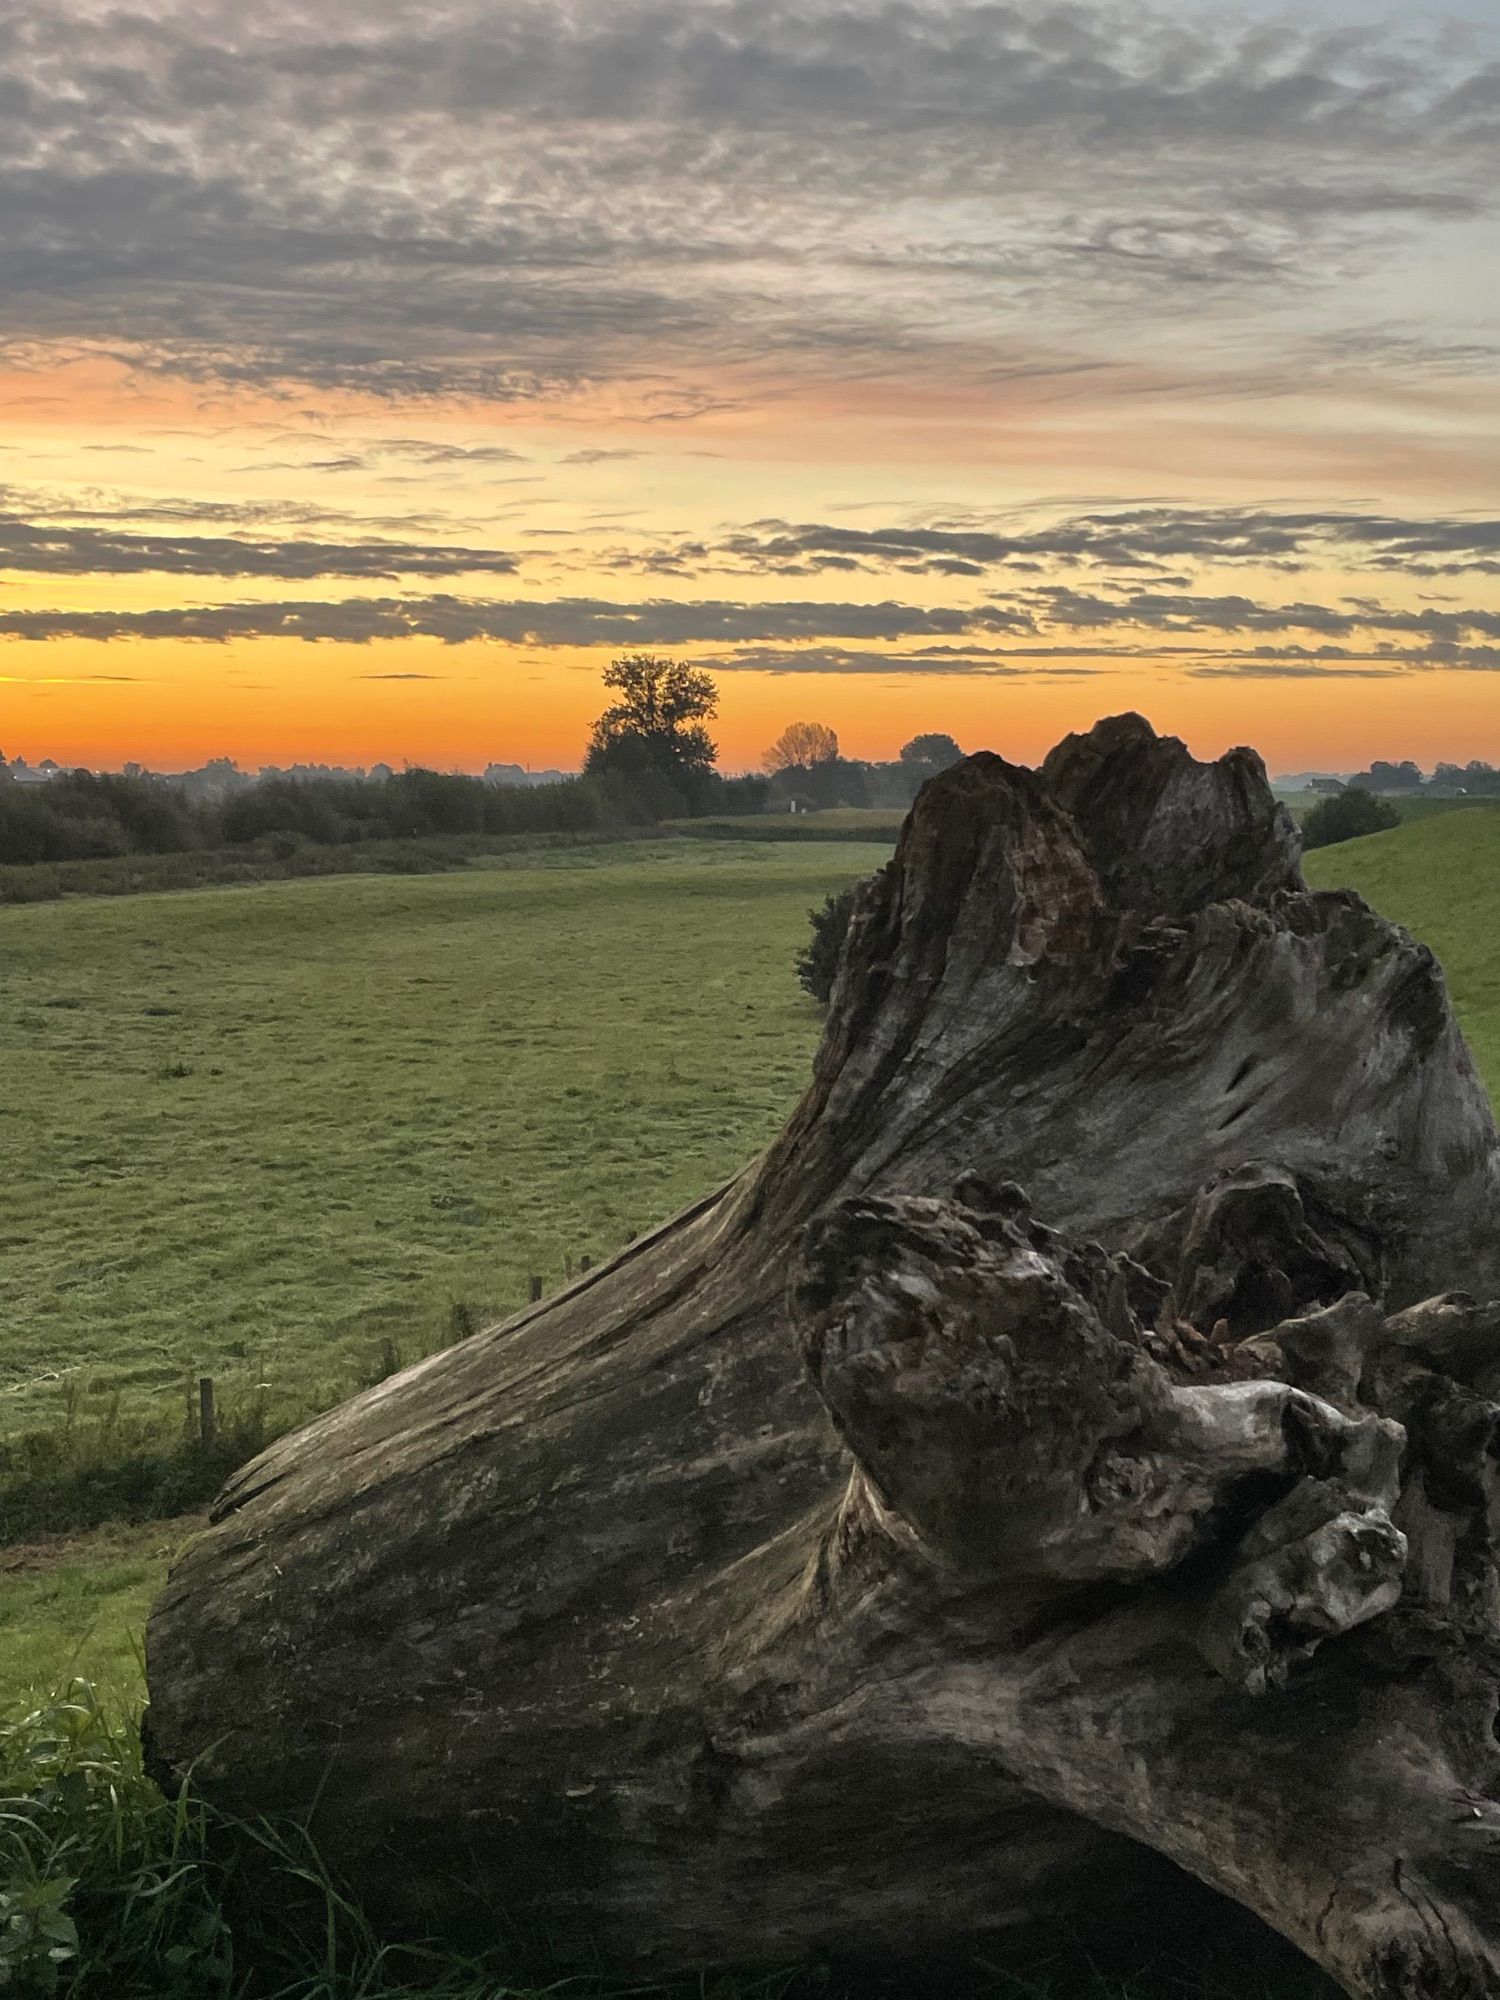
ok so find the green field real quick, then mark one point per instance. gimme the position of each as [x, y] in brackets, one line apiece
[257, 1132]
[1441, 879]
[261, 1133]
[838, 823]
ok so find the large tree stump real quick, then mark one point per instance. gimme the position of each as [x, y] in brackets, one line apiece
[878, 1556]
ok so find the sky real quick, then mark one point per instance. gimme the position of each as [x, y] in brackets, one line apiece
[372, 373]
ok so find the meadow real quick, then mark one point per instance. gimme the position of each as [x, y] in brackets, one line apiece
[1439, 876]
[291, 1133]
[839, 823]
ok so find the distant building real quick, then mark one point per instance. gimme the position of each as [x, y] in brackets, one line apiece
[22, 773]
[1328, 788]
[517, 774]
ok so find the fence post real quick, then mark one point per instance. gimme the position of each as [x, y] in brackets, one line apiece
[568, 1267]
[536, 1289]
[585, 1264]
[206, 1422]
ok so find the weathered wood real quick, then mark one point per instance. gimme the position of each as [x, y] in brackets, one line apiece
[1022, 1539]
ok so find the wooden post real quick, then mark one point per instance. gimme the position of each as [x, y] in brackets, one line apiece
[568, 1268]
[536, 1290]
[585, 1264]
[206, 1422]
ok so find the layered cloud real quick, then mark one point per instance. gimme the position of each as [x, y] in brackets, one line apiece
[448, 197]
[1053, 626]
[74, 550]
[1127, 539]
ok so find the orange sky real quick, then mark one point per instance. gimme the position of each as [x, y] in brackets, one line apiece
[300, 710]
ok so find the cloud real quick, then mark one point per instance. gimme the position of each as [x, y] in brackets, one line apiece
[564, 621]
[525, 202]
[1183, 611]
[1288, 670]
[968, 661]
[427, 452]
[119, 508]
[595, 456]
[77, 680]
[1123, 539]
[1053, 624]
[56, 549]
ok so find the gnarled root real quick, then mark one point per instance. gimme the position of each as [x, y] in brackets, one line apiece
[1306, 1513]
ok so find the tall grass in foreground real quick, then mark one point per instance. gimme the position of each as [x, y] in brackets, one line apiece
[110, 1890]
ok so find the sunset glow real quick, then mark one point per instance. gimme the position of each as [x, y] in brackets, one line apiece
[370, 374]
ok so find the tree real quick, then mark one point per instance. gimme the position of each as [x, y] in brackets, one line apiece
[1346, 816]
[657, 724]
[802, 746]
[932, 752]
[1385, 777]
[817, 963]
[1061, 1464]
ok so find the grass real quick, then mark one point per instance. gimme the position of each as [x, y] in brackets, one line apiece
[1440, 878]
[259, 1134]
[76, 1605]
[140, 874]
[293, 1134]
[873, 823]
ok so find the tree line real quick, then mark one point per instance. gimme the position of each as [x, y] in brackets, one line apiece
[650, 757]
[1405, 776]
[807, 769]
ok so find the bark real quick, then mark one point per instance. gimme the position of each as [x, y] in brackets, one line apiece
[879, 1557]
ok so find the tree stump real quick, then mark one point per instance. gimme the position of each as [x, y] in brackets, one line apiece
[1072, 1443]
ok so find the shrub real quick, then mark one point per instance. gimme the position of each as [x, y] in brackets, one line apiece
[818, 963]
[1346, 817]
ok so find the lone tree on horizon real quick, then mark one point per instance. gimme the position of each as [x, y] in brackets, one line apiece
[802, 746]
[656, 728]
[934, 751]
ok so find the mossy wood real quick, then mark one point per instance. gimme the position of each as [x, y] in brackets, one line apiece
[1073, 1443]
